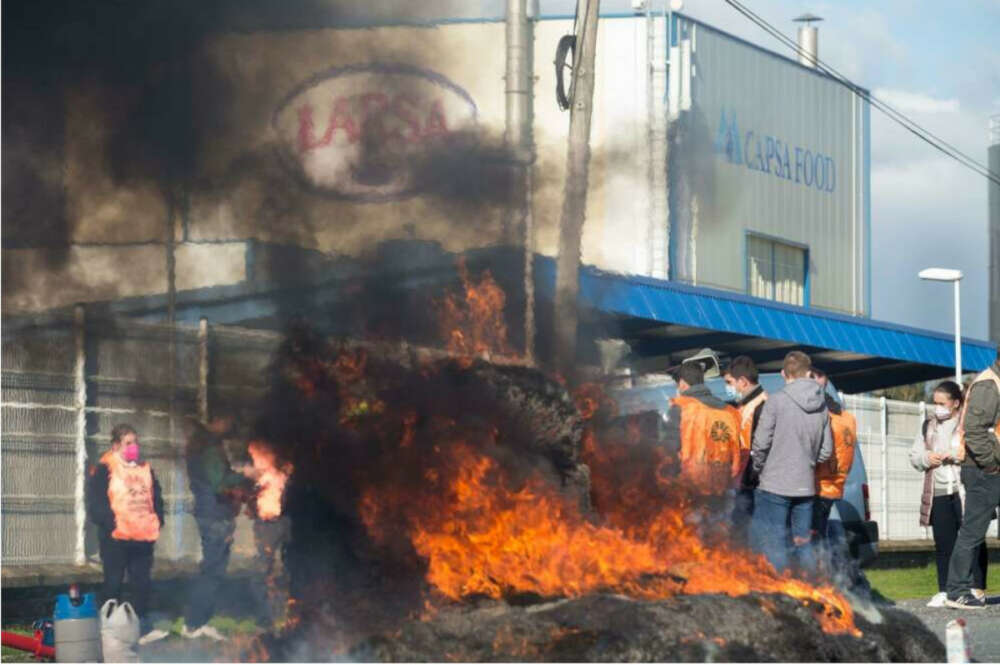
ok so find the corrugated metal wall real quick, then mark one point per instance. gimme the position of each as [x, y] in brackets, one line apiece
[744, 97]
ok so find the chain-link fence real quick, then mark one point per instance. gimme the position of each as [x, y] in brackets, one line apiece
[67, 381]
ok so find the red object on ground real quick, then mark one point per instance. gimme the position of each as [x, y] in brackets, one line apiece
[25, 643]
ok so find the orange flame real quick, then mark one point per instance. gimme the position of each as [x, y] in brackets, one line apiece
[271, 480]
[473, 323]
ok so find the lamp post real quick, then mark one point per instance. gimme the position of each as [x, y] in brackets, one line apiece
[948, 275]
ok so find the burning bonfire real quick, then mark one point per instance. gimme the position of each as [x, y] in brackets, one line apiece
[428, 483]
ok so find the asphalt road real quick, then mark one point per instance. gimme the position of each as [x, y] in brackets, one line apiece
[982, 626]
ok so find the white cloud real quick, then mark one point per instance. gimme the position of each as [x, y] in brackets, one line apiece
[915, 102]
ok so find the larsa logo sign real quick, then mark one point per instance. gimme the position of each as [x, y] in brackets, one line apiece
[360, 131]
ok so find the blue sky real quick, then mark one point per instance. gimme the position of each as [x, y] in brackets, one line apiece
[939, 63]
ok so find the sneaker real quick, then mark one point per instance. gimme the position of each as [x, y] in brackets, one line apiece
[204, 631]
[966, 602]
[978, 593]
[938, 599]
[154, 635]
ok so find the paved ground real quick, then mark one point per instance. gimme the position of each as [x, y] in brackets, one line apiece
[983, 626]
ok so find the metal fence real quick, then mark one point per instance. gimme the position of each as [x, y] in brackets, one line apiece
[67, 381]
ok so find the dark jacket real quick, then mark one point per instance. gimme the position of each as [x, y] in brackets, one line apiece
[99, 504]
[981, 415]
[672, 429]
[750, 478]
[213, 483]
[793, 435]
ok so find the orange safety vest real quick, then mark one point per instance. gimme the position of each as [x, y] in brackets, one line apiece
[986, 375]
[130, 491]
[710, 446]
[746, 426]
[832, 474]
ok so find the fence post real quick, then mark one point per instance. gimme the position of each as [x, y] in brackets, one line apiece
[884, 425]
[80, 440]
[203, 369]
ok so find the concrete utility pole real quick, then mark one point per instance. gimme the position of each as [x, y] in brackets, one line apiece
[575, 193]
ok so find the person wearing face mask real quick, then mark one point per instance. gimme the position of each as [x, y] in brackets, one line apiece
[124, 501]
[703, 432]
[743, 389]
[935, 452]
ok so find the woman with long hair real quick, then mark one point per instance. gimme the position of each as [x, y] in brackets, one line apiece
[935, 452]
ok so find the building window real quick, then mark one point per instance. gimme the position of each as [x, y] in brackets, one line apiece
[776, 270]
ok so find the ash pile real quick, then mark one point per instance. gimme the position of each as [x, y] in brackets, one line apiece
[461, 506]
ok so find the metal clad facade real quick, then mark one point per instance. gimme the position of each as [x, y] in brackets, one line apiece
[772, 148]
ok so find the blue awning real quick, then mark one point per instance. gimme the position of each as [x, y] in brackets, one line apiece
[665, 321]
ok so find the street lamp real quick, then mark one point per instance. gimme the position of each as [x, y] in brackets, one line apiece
[947, 275]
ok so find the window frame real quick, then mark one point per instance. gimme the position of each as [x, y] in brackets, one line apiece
[773, 240]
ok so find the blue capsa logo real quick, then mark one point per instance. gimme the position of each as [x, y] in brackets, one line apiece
[771, 155]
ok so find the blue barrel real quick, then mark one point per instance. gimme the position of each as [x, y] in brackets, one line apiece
[77, 630]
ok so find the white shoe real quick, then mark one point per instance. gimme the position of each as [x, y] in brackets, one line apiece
[205, 631]
[154, 635]
[937, 600]
[978, 593]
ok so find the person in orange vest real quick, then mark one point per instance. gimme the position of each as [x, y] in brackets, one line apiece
[125, 502]
[703, 431]
[742, 387]
[979, 451]
[832, 474]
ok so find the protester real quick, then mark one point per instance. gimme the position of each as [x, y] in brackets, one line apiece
[831, 475]
[742, 387]
[979, 452]
[935, 452]
[271, 531]
[124, 501]
[704, 432]
[219, 492]
[792, 437]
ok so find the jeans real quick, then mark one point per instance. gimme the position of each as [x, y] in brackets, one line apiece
[946, 519]
[742, 514]
[119, 557]
[982, 498]
[781, 527]
[216, 542]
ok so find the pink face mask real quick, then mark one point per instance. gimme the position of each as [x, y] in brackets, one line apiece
[131, 452]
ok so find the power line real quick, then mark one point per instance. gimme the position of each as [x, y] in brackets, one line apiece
[911, 126]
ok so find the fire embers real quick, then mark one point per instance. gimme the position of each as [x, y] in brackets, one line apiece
[271, 476]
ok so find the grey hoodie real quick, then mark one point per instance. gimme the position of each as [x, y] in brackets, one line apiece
[793, 435]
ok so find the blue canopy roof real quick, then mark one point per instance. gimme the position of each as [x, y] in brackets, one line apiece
[666, 321]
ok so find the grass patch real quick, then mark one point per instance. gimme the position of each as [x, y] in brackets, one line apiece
[904, 583]
[228, 626]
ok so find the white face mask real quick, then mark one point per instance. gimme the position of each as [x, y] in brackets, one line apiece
[733, 393]
[942, 412]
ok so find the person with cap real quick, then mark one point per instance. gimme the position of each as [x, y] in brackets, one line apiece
[219, 493]
[124, 500]
[792, 437]
[979, 454]
[703, 432]
[743, 387]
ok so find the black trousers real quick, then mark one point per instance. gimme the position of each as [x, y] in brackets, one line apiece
[982, 497]
[135, 558]
[270, 586]
[946, 519]
[216, 543]
[741, 516]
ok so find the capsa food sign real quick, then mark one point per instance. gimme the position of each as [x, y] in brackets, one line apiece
[358, 131]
